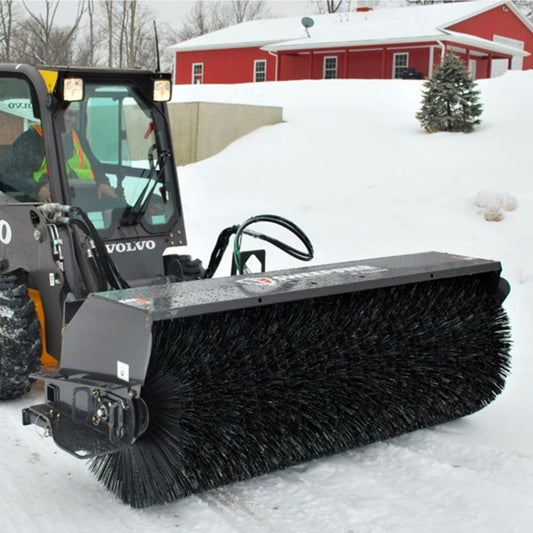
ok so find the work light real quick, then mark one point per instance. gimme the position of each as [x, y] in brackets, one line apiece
[72, 89]
[162, 90]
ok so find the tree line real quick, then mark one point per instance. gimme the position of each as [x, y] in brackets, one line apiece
[28, 36]
[107, 33]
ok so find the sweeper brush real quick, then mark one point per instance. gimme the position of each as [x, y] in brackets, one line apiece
[170, 381]
[302, 364]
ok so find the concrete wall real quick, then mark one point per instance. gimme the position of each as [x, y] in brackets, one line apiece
[202, 129]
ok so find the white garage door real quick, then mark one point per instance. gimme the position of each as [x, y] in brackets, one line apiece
[500, 66]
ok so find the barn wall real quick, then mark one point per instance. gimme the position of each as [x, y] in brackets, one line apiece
[365, 65]
[499, 21]
[223, 66]
[362, 63]
[294, 66]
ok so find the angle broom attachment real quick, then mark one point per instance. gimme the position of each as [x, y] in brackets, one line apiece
[242, 392]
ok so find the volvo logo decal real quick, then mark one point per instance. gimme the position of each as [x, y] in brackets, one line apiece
[125, 247]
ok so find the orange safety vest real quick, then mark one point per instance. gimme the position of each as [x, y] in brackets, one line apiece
[43, 169]
[78, 163]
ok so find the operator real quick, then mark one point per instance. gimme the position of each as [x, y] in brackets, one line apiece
[27, 170]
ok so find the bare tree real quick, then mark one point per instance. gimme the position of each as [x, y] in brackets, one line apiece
[87, 47]
[91, 12]
[130, 39]
[332, 6]
[9, 14]
[119, 18]
[526, 7]
[131, 36]
[135, 35]
[197, 22]
[108, 5]
[242, 10]
[41, 40]
[206, 17]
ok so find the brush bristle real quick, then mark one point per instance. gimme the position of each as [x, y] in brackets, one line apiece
[238, 394]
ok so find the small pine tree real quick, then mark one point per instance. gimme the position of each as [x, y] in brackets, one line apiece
[451, 100]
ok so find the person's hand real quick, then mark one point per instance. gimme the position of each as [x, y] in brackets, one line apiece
[105, 190]
[44, 194]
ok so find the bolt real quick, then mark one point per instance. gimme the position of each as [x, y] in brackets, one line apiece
[37, 235]
[95, 420]
[95, 392]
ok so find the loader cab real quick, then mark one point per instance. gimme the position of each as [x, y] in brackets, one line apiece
[109, 138]
[98, 140]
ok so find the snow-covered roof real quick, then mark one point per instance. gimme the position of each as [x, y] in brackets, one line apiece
[390, 25]
[477, 42]
[247, 34]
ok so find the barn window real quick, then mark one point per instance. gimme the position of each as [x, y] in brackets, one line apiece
[197, 73]
[260, 69]
[401, 62]
[330, 67]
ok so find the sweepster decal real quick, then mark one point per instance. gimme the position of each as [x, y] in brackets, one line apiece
[357, 269]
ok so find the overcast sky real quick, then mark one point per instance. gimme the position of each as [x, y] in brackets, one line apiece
[178, 9]
[175, 11]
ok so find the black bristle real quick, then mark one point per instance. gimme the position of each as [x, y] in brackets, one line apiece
[238, 394]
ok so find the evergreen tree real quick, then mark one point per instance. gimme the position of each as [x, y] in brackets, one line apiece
[450, 100]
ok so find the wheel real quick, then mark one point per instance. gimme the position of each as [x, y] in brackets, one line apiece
[183, 268]
[20, 339]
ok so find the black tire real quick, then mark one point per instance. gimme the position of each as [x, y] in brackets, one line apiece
[20, 339]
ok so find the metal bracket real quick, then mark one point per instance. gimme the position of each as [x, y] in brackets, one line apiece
[88, 418]
[260, 255]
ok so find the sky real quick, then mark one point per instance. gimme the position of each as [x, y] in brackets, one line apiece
[175, 11]
[352, 167]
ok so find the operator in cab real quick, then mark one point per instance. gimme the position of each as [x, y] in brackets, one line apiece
[27, 171]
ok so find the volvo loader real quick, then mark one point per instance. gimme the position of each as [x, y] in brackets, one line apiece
[170, 381]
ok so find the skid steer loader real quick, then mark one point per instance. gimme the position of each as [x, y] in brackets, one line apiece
[170, 381]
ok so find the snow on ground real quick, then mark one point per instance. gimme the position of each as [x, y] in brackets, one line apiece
[352, 167]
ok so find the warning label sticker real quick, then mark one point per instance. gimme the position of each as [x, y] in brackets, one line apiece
[354, 269]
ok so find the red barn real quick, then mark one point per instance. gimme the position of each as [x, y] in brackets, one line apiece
[490, 37]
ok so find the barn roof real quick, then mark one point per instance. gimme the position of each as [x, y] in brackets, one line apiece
[400, 24]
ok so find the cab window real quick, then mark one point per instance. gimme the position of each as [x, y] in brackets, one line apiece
[111, 158]
[22, 156]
